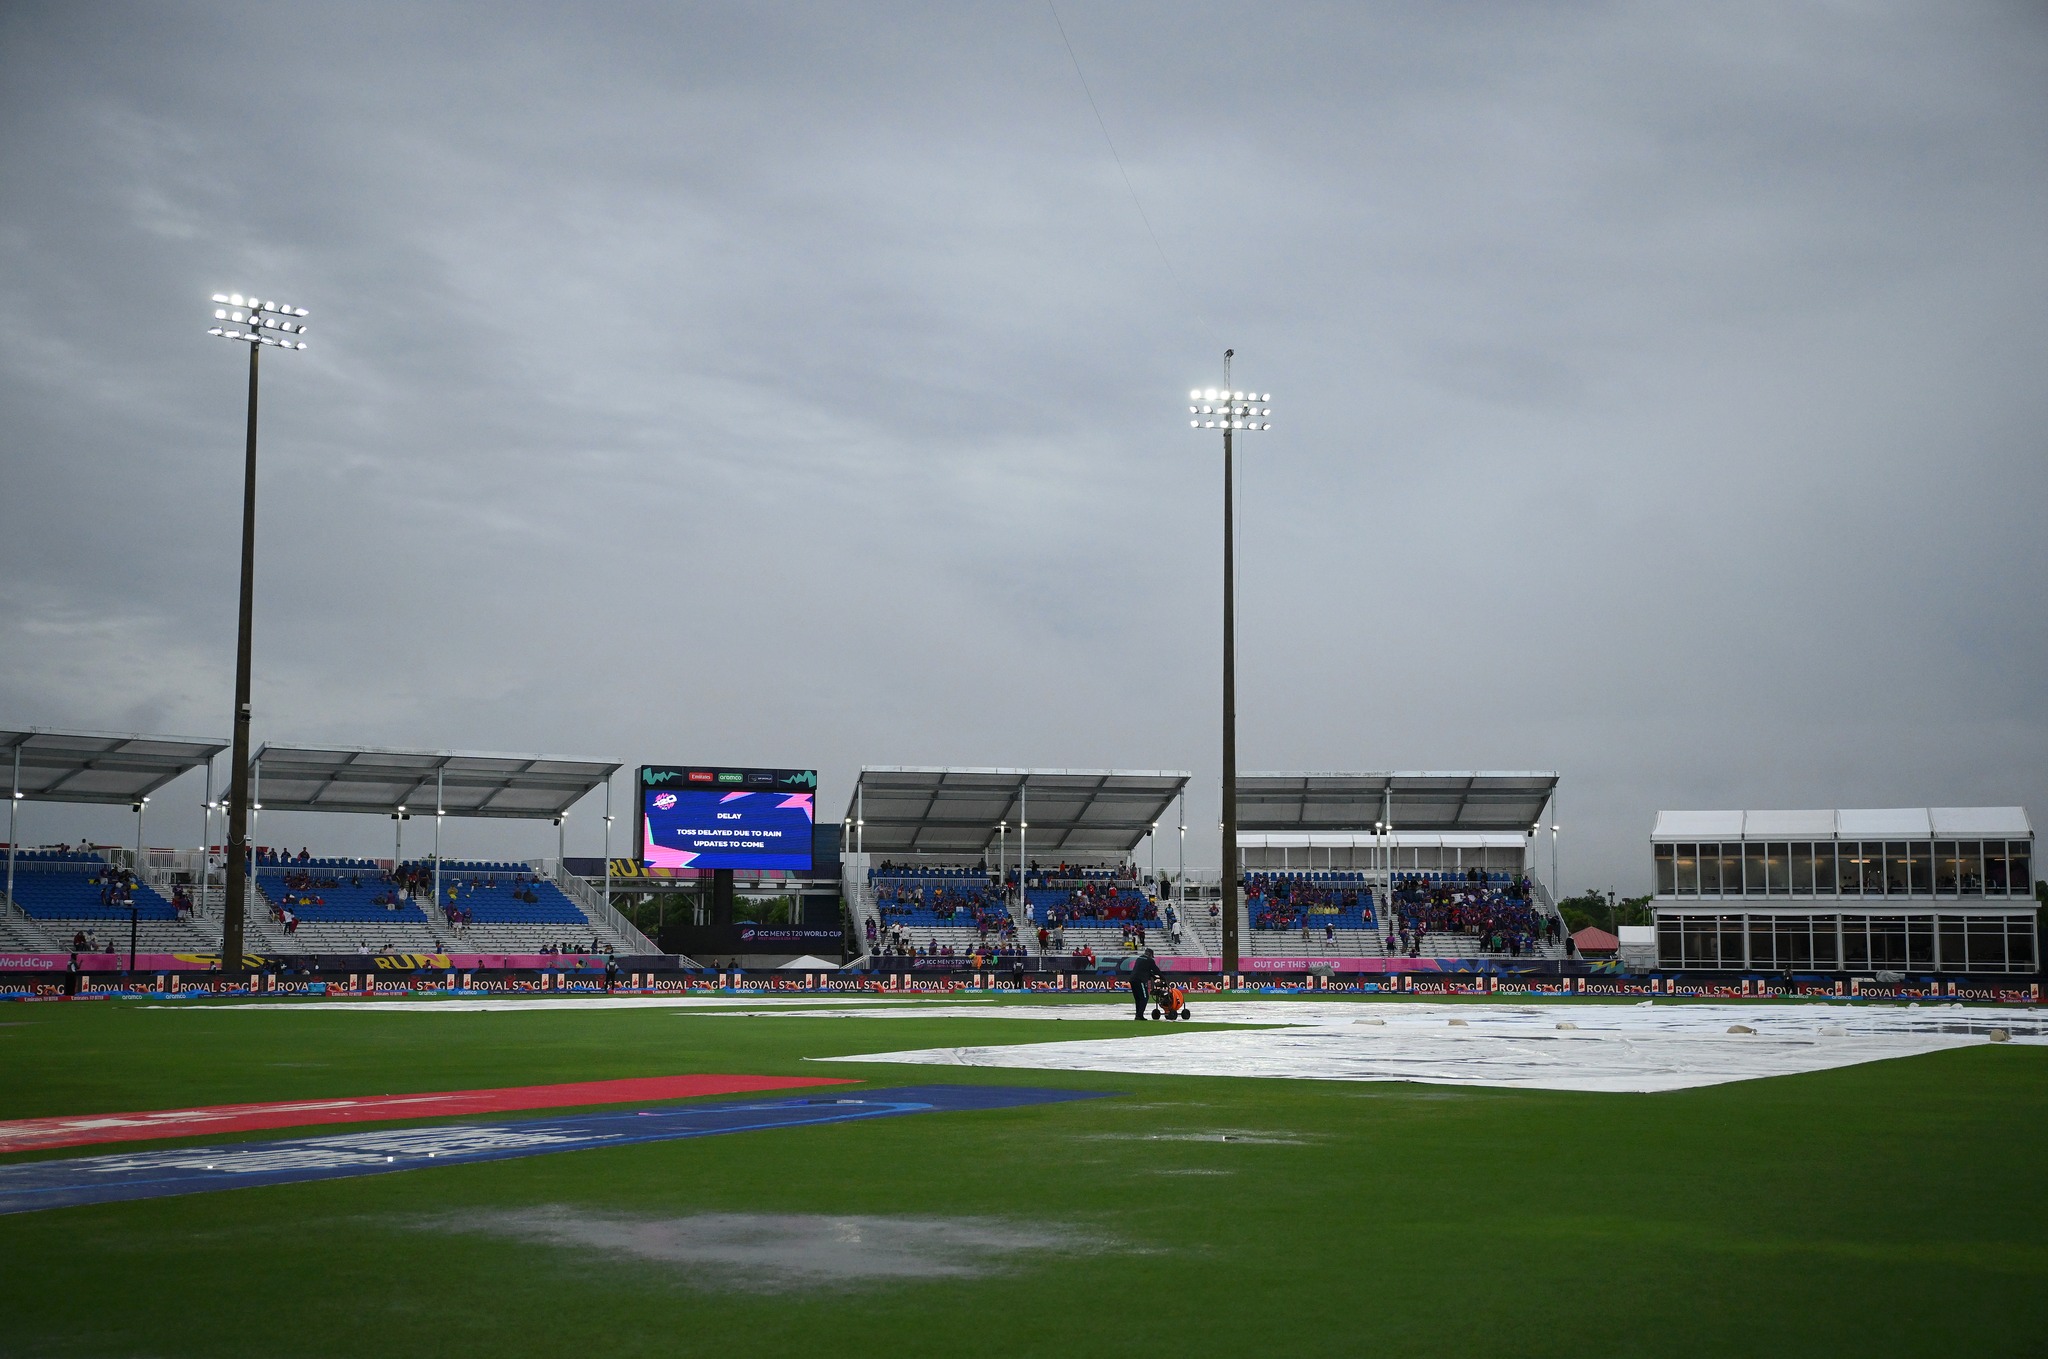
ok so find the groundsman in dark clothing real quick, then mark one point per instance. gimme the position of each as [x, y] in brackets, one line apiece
[1143, 973]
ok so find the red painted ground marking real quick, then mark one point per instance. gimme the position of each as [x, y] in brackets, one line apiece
[37, 1134]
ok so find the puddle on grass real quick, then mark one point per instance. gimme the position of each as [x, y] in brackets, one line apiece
[781, 1252]
[1175, 1104]
[1249, 1138]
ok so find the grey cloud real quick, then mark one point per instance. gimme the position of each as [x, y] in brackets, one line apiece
[1659, 388]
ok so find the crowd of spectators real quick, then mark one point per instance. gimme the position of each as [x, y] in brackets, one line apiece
[1104, 901]
[946, 905]
[1289, 901]
[913, 901]
[117, 886]
[1063, 873]
[895, 941]
[268, 856]
[523, 887]
[887, 869]
[1502, 917]
[604, 950]
[301, 888]
[911, 897]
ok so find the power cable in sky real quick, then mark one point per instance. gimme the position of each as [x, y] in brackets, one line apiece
[1187, 297]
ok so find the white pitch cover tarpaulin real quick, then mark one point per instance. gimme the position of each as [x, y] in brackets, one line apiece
[1623, 1049]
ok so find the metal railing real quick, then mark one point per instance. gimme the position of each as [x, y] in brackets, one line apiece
[591, 901]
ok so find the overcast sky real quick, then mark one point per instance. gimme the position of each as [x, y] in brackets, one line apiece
[1658, 391]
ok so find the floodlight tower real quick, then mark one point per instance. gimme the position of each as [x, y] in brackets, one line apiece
[260, 325]
[1231, 411]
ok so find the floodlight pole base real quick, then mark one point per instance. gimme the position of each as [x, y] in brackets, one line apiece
[721, 896]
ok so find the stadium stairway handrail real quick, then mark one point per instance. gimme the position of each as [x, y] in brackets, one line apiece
[860, 903]
[259, 933]
[24, 926]
[590, 900]
[1020, 917]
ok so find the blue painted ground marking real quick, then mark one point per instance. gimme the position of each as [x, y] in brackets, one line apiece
[71, 1181]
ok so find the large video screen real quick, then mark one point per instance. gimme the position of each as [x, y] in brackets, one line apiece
[704, 816]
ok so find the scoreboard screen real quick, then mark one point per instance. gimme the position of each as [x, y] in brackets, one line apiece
[707, 816]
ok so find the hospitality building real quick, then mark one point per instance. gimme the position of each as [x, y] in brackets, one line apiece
[1904, 889]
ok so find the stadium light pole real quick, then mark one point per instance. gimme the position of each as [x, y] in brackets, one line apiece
[13, 811]
[260, 325]
[440, 811]
[205, 842]
[1180, 882]
[1556, 886]
[1230, 411]
[134, 910]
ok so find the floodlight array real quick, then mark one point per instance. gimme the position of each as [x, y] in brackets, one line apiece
[248, 318]
[1213, 408]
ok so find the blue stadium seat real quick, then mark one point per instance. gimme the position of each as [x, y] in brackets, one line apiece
[63, 889]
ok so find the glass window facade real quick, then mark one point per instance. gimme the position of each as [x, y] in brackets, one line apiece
[1710, 942]
[1848, 868]
[1948, 867]
[1951, 942]
[1923, 906]
[1731, 870]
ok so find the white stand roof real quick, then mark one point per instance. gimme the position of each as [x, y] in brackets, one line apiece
[1867, 823]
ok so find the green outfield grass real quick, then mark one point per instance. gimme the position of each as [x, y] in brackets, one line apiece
[1894, 1207]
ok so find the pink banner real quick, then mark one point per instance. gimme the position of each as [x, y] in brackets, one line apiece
[203, 962]
[100, 962]
[1196, 963]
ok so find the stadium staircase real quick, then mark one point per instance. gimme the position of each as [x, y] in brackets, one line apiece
[260, 934]
[1199, 934]
[605, 920]
[860, 897]
[1027, 933]
[19, 934]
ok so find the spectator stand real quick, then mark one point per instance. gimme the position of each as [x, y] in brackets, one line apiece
[1321, 851]
[408, 906]
[1104, 909]
[938, 826]
[63, 894]
[941, 912]
[1321, 913]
